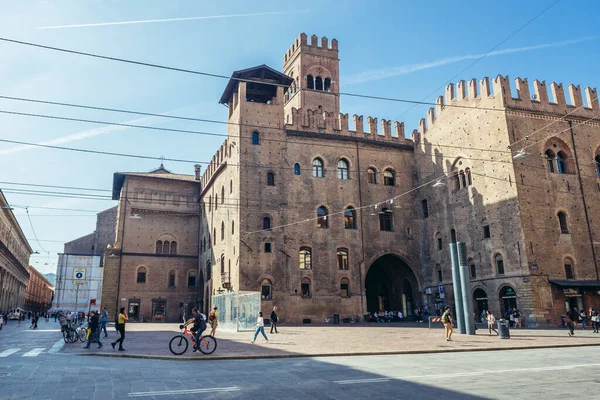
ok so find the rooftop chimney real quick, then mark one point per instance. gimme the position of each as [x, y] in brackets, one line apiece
[197, 168]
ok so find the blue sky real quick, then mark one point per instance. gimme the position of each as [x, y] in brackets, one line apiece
[396, 49]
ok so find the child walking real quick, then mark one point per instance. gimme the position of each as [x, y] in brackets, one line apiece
[260, 327]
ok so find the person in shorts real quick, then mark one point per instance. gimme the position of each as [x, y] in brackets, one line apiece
[447, 321]
[199, 326]
[491, 320]
[213, 320]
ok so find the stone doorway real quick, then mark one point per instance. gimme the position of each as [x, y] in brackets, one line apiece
[390, 286]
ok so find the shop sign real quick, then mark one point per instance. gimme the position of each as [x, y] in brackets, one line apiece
[571, 292]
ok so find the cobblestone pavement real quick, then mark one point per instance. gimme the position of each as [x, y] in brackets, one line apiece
[360, 339]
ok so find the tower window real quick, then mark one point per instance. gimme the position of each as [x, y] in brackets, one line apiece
[310, 83]
[267, 247]
[350, 218]
[386, 220]
[141, 275]
[499, 264]
[317, 165]
[569, 269]
[425, 209]
[342, 169]
[222, 230]
[255, 138]
[270, 179]
[266, 290]
[327, 85]
[345, 287]
[472, 268]
[305, 258]
[372, 175]
[266, 223]
[486, 231]
[439, 273]
[550, 160]
[305, 287]
[389, 177]
[191, 279]
[561, 166]
[438, 239]
[342, 259]
[597, 159]
[322, 217]
[172, 279]
[562, 220]
[318, 83]
[296, 169]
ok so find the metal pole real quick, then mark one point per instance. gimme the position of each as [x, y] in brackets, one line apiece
[465, 288]
[76, 296]
[458, 302]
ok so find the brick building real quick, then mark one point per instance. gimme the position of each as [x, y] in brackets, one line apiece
[14, 258]
[152, 268]
[39, 292]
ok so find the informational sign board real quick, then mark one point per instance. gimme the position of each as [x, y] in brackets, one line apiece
[78, 276]
[92, 302]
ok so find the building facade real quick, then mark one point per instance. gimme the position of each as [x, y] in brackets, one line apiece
[321, 217]
[14, 258]
[84, 255]
[39, 292]
[152, 268]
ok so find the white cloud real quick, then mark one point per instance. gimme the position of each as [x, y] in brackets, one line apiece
[384, 73]
[149, 21]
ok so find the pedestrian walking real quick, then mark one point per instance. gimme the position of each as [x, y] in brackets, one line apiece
[594, 319]
[570, 318]
[93, 330]
[260, 327]
[274, 320]
[121, 320]
[104, 321]
[55, 316]
[447, 321]
[582, 318]
[491, 320]
[213, 319]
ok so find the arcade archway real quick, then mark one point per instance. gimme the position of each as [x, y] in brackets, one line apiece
[391, 285]
[480, 302]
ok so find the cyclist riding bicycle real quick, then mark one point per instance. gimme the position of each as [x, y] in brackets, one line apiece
[199, 321]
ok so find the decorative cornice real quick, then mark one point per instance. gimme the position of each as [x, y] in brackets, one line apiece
[548, 115]
[349, 138]
[136, 210]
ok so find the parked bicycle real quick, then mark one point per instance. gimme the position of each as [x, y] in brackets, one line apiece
[179, 344]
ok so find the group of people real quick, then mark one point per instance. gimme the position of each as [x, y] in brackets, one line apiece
[386, 316]
[574, 316]
[96, 325]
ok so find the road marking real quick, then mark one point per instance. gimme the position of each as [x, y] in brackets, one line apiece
[57, 346]
[463, 374]
[34, 352]
[8, 352]
[187, 391]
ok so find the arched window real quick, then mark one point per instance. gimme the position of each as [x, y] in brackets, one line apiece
[191, 279]
[305, 261]
[222, 230]
[597, 165]
[310, 83]
[166, 247]
[222, 194]
[486, 230]
[350, 218]
[317, 165]
[562, 220]
[231, 186]
[342, 166]
[222, 264]
[159, 247]
[499, 264]
[462, 178]
[173, 247]
[327, 85]
[296, 169]
[561, 163]
[322, 217]
[209, 203]
[438, 240]
[372, 175]
[386, 220]
[472, 268]
[569, 273]
[305, 287]
[266, 223]
[232, 227]
[342, 259]
[216, 201]
[469, 181]
[270, 179]
[425, 208]
[319, 83]
[550, 159]
[171, 278]
[266, 290]
[389, 177]
[141, 275]
[214, 236]
[255, 137]
[345, 287]
[208, 271]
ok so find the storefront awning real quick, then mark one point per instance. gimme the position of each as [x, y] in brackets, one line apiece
[576, 284]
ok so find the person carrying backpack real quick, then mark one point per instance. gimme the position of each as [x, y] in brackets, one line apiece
[213, 319]
[199, 325]
[447, 321]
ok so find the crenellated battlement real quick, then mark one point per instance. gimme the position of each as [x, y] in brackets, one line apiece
[324, 122]
[219, 158]
[499, 94]
[322, 45]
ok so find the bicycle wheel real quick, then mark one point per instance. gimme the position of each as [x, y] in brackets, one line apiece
[178, 345]
[71, 336]
[66, 336]
[82, 334]
[208, 344]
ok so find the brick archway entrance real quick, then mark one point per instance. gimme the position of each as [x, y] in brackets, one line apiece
[390, 285]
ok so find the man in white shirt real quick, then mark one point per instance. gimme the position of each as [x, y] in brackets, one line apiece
[491, 320]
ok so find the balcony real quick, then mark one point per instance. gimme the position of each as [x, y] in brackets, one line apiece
[225, 280]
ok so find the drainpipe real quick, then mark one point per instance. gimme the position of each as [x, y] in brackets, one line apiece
[362, 236]
[122, 243]
[585, 209]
